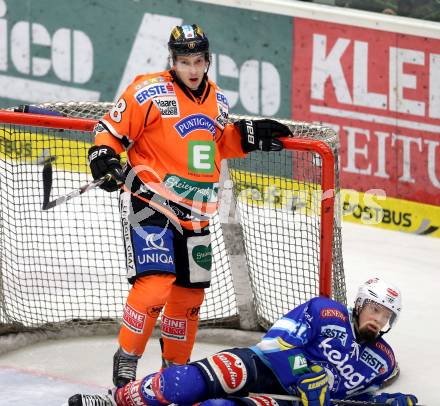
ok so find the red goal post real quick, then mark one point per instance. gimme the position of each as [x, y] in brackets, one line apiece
[323, 275]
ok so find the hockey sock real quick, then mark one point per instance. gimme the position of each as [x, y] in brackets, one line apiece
[180, 323]
[144, 304]
[182, 384]
[138, 393]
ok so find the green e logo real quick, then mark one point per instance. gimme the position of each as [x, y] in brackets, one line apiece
[201, 156]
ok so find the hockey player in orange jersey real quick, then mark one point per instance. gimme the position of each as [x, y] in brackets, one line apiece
[174, 127]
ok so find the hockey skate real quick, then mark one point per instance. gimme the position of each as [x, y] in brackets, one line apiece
[124, 368]
[92, 400]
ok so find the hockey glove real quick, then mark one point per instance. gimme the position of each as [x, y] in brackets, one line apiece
[313, 387]
[261, 134]
[103, 160]
[396, 399]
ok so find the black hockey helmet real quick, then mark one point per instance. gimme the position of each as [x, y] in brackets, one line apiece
[187, 40]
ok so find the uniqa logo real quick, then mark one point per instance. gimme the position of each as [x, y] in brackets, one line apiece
[155, 258]
[155, 242]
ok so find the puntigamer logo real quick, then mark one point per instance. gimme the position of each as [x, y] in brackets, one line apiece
[195, 122]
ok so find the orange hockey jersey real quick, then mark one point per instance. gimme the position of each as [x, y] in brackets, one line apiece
[174, 142]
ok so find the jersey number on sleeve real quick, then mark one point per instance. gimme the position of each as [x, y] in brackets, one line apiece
[117, 110]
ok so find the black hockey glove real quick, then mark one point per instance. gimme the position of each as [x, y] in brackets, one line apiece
[103, 160]
[262, 134]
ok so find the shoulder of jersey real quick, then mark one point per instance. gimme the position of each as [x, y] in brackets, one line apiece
[151, 79]
[223, 104]
[216, 88]
[146, 87]
[326, 308]
[213, 84]
[381, 345]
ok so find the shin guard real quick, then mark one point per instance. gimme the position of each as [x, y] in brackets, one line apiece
[180, 323]
[144, 304]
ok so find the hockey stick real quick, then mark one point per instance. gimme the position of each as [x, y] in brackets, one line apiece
[28, 108]
[46, 160]
[77, 192]
[333, 401]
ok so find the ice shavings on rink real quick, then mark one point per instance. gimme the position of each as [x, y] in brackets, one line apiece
[46, 374]
[25, 387]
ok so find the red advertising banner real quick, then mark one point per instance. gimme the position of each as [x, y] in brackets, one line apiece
[381, 92]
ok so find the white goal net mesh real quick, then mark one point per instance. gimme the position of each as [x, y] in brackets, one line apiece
[66, 266]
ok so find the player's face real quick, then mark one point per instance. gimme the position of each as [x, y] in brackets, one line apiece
[372, 319]
[190, 69]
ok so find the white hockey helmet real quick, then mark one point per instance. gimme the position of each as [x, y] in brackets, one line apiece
[381, 292]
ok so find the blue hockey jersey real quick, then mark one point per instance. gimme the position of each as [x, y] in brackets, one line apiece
[321, 332]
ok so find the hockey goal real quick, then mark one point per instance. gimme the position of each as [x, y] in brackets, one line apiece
[276, 238]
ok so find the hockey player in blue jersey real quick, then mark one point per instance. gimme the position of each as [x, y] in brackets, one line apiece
[320, 350]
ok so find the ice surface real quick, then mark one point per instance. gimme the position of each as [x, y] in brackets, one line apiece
[48, 373]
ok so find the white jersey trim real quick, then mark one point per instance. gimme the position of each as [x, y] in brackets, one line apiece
[112, 130]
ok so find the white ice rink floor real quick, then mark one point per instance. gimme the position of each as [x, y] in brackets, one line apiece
[48, 373]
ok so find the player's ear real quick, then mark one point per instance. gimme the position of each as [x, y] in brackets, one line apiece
[170, 61]
[208, 60]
